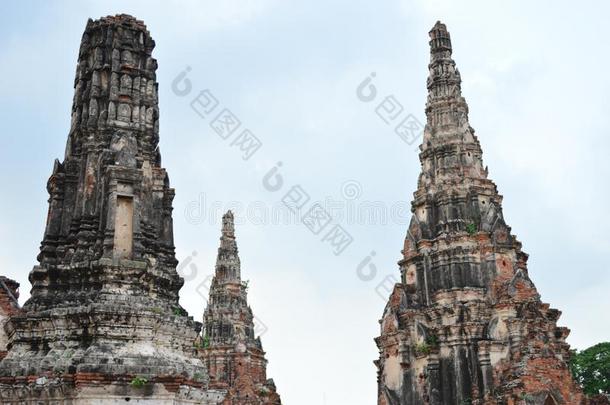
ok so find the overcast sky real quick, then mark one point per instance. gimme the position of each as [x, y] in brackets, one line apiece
[537, 83]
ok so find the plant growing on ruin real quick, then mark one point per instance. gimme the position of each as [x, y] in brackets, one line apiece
[471, 228]
[202, 343]
[432, 341]
[245, 284]
[525, 396]
[422, 349]
[138, 382]
[205, 343]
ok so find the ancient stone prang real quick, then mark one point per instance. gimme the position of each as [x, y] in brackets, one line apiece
[232, 353]
[465, 325]
[103, 320]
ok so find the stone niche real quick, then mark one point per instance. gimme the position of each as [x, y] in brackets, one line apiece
[123, 228]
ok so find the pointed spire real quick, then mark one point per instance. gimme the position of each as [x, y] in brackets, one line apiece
[445, 106]
[451, 152]
[228, 224]
[440, 40]
[228, 267]
[230, 345]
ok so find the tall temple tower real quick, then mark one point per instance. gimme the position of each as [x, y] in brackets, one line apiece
[103, 322]
[465, 325]
[232, 353]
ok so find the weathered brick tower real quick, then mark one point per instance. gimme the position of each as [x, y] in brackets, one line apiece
[466, 324]
[103, 323]
[232, 353]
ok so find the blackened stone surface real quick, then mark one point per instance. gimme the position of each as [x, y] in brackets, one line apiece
[104, 301]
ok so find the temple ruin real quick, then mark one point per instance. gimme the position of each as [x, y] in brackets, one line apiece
[103, 324]
[230, 349]
[465, 325]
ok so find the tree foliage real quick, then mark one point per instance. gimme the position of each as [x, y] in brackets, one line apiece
[591, 369]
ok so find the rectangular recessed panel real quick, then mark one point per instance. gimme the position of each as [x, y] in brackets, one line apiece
[123, 227]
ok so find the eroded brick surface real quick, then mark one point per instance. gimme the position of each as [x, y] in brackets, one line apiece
[466, 324]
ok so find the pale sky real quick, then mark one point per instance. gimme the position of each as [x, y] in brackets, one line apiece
[536, 80]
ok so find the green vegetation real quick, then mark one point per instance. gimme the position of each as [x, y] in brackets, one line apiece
[138, 382]
[471, 228]
[422, 349]
[202, 343]
[525, 396]
[432, 341]
[591, 369]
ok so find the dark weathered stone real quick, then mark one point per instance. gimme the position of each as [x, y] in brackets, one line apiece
[466, 324]
[104, 308]
[232, 353]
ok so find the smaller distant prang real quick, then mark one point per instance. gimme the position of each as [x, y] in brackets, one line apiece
[230, 350]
